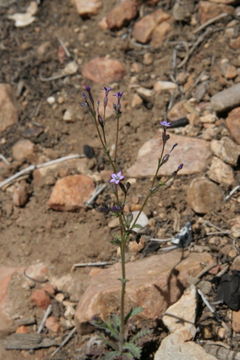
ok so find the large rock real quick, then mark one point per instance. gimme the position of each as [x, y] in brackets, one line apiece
[154, 283]
[227, 150]
[193, 153]
[90, 7]
[8, 109]
[103, 70]
[71, 192]
[121, 14]
[233, 124]
[143, 29]
[204, 196]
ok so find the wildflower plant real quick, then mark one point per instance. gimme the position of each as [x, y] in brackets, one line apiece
[115, 329]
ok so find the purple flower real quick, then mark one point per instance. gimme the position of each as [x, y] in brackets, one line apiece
[119, 94]
[107, 89]
[165, 123]
[88, 90]
[116, 178]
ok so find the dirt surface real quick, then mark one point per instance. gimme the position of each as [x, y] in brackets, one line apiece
[28, 54]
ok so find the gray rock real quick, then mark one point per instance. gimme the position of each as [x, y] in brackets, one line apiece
[226, 99]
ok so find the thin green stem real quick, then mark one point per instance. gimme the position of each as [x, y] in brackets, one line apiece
[116, 141]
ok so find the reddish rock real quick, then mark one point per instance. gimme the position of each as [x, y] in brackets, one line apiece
[9, 304]
[20, 194]
[233, 124]
[221, 172]
[226, 149]
[193, 153]
[8, 110]
[23, 150]
[89, 7]
[204, 196]
[49, 288]
[154, 283]
[143, 29]
[53, 324]
[71, 192]
[209, 10]
[40, 298]
[122, 13]
[160, 34]
[103, 70]
[22, 330]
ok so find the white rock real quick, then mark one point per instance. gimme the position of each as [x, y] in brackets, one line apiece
[180, 317]
[142, 221]
[173, 348]
[164, 85]
[51, 100]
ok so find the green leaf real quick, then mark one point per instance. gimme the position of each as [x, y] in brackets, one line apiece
[137, 226]
[133, 312]
[140, 334]
[133, 349]
[111, 355]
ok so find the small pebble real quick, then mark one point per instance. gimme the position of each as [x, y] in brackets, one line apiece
[51, 100]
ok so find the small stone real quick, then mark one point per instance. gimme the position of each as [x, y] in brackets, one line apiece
[22, 329]
[113, 223]
[90, 7]
[37, 272]
[208, 118]
[226, 150]
[68, 116]
[205, 287]
[164, 85]
[51, 100]
[103, 70]
[182, 10]
[160, 33]
[227, 98]
[136, 101]
[236, 264]
[222, 333]
[147, 59]
[71, 192]
[40, 298]
[229, 71]
[142, 221]
[235, 43]
[60, 297]
[221, 172]
[203, 196]
[121, 14]
[146, 94]
[8, 108]
[235, 227]
[143, 29]
[208, 10]
[233, 124]
[23, 150]
[20, 194]
[53, 324]
[236, 321]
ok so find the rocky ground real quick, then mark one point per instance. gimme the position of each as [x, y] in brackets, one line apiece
[174, 60]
